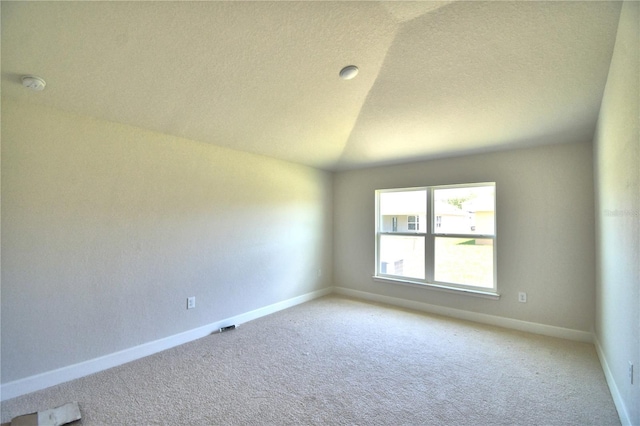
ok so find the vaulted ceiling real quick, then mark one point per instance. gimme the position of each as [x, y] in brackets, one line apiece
[436, 78]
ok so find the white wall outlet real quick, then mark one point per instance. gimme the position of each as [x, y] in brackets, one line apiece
[191, 302]
[630, 372]
[319, 272]
[522, 297]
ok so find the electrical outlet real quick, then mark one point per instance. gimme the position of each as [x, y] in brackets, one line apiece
[630, 372]
[319, 273]
[191, 302]
[522, 297]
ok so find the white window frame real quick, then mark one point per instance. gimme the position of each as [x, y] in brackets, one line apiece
[430, 234]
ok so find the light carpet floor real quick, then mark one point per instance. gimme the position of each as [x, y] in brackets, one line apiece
[340, 361]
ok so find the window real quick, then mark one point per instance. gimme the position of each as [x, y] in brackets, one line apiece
[441, 235]
[413, 223]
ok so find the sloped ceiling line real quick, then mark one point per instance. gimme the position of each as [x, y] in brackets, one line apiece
[402, 13]
[477, 76]
[437, 78]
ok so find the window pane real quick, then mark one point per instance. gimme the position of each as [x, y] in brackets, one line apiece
[403, 211]
[402, 256]
[469, 210]
[464, 261]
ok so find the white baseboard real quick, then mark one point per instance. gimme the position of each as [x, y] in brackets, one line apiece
[546, 330]
[51, 378]
[613, 387]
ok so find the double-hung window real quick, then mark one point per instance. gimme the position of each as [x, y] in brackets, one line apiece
[443, 236]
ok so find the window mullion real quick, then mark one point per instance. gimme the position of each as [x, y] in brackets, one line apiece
[429, 239]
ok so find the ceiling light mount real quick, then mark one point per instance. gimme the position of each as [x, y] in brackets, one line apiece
[349, 72]
[33, 82]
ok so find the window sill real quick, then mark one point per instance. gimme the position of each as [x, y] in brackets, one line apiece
[440, 287]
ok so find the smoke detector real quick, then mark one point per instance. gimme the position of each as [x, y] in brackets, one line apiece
[34, 83]
[348, 72]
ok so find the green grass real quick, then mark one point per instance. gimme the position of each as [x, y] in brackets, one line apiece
[464, 261]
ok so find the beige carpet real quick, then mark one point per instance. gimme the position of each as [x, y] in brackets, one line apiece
[341, 361]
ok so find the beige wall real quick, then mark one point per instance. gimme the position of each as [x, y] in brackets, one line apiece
[617, 182]
[545, 222]
[107, 229]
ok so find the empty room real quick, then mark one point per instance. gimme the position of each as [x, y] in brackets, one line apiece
[314, 212]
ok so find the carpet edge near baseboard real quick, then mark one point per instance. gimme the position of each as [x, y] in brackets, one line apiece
[625, 419]
[510, 323]
[50, 378]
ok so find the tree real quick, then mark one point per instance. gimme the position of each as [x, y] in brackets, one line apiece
[458, 201]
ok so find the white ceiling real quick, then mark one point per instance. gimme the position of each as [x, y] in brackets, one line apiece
[436, 78]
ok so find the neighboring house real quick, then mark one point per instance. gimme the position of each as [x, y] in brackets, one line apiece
[403, 212]
[394, 259]
[481, 215]
[415, 222]
[449, 218]
[403, 254]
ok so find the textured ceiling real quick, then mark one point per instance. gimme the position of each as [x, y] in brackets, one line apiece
[436, 78]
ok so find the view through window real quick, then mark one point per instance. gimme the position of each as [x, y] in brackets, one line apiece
[443, 235]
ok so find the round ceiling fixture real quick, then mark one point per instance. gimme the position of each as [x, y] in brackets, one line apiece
[348, 72]
[34, 83]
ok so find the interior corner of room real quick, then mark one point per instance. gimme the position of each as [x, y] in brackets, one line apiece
[157, 195]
